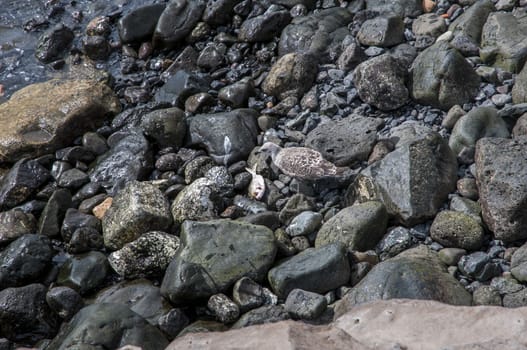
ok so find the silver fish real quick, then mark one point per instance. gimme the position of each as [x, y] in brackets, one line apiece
[257, 185]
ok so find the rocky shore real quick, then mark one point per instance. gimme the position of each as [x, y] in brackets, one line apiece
[138, 208]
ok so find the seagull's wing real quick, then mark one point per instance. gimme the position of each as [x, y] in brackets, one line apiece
[304, 163]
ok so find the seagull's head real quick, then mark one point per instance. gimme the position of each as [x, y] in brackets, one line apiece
[269, 148]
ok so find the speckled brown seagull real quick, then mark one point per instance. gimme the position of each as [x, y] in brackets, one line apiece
[301, 162]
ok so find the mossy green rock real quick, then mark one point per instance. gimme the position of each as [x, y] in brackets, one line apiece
[414, 274]
[359, 227]
[214, 255]
[458, 230]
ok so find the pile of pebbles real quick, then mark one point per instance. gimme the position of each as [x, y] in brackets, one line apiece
[124, 196]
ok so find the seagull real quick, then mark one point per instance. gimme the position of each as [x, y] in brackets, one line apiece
[301, 162]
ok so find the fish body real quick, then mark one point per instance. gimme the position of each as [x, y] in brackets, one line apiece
[257, 185]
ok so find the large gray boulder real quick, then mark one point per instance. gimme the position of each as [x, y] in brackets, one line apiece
[345, 141]
[214, 255]
[470, 24]
[441, 77]
[228, 137]
[108, 326]
[504, 41]
[140, 207]
[413, 181]
[316, 33]
[381, 82]
[44, 117]
[358, 227]
[316, 270]
[417, 273]
[501, 169]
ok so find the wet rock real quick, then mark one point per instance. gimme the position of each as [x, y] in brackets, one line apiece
[304, 305]
[316, 33]
[500, 171]
[173, 322]
[129, 159]
[394, 242]
[267, 218]
[73, 179]
[519, 90]
[381, 81]
[178, 87]
[400, 8]
[15, 223]
[458, 230]
[228, 137]
[427, 160]
[469, 25]
[50, 220]
[85, 239]
[94, 143]
[54, 43]
[219, 11]
[84, 272]
[108, 326]
[248, 294]
[346, 141]
[296, 204]
[316, 270]
[212, 56]
[96, 47]
[140, 295]
[77, 106]
[381, 31]
[74, 220]
[478, 123]
[292, 75]
[24, 315]
[225, 309]
[414, 274]
[214, 256]
[304, 224]
[262, 315]
[140, 207]
[479, 266]
[197, 102]
[139, 24]
[358, 227]
[177, 21]
[22, 180]
[166, 126]
[441, 77]
[64, 301]
[147, 256]
[237, 94]
[25, 260]
[503, 41]
[265, 26]
[99, 26]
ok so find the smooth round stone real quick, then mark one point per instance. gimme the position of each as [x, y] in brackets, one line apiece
[457, 230]
[237, 94]
[451, 256]
[304, 224]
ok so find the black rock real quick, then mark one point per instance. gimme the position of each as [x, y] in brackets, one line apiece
[64, 301]
[180, 86]
[139, 24]
[74, 219]
[173, 322]
[51, 218]
[53, 43]
[85, 272]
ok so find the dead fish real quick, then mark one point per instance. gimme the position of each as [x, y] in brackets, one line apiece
[257, 185]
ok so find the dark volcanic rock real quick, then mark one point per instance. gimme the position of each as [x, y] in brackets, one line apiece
[381, 81]
[25, 316]
[139, 24]
[166, 126]
[214, 256]
[414, 274]
[15, 223]
[177, 21]
[24, 178]
[25, 260]
[50, 220]
[228, 137]
[129, 159]
[441, 77]
[266, 26]
[180, 86]
[500, 172]
[316, 33]
[219, 11]
[64, 301]
[53, 43]
[84, 272]
[108, 326]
